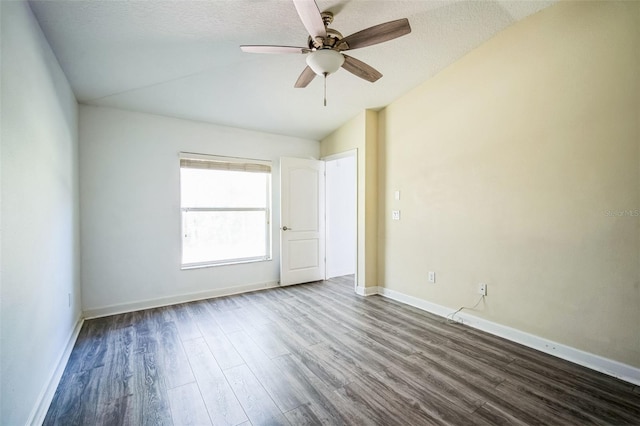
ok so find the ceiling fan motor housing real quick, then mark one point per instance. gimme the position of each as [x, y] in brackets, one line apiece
[332, 38]
[328, 42]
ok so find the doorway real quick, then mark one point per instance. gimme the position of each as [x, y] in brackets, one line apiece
[341, 214]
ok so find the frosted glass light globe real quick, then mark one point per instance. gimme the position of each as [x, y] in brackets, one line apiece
[325, 61]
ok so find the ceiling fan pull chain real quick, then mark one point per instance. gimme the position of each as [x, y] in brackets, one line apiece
[325, 88]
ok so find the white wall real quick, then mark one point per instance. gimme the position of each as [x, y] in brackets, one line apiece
[40, 240]
[130, 208]
[341, 216]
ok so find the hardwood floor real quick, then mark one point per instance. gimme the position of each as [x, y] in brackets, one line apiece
[319, 354]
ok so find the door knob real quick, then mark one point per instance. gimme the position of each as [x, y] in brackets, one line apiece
[284, 228]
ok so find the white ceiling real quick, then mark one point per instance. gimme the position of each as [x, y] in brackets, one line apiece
[182, 59]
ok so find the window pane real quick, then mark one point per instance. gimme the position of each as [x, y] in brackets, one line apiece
[222, 188]
[217, 236]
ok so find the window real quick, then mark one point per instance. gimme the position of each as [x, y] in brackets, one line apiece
[225, 210]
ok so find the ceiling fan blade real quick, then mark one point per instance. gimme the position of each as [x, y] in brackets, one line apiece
[311, 18]
[274, 49]
[376, 34]
[360, 69]
[305, 78]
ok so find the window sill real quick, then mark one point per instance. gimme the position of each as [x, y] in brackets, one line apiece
[224, 263]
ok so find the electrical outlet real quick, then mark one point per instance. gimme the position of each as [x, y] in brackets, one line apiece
[432, 277]
[482, 289]
[395, 214]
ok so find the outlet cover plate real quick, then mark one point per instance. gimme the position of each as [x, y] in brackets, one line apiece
[482, 289]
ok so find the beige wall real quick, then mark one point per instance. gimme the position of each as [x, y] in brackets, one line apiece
[360, 133]
[511, 163]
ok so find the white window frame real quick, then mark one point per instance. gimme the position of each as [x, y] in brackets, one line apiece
[234, 163]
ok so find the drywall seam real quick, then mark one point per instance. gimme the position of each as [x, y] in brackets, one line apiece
[595, 362]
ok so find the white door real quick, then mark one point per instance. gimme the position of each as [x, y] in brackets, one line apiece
[302, 227]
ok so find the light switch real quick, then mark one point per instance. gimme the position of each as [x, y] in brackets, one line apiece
[397, 195]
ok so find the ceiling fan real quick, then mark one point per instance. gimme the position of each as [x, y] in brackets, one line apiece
[325, 45]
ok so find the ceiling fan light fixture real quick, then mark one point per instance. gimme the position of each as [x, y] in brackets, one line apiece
[325, 61]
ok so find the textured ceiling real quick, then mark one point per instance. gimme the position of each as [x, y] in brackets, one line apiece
[182, 58]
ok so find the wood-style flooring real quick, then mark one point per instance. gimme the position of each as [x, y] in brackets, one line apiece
[319, 354]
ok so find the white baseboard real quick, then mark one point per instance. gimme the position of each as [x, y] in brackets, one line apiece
[595, 362]
[174, 300]
[366, 291]
[46, 395]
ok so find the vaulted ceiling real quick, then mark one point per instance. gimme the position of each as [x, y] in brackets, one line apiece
[182, 59]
